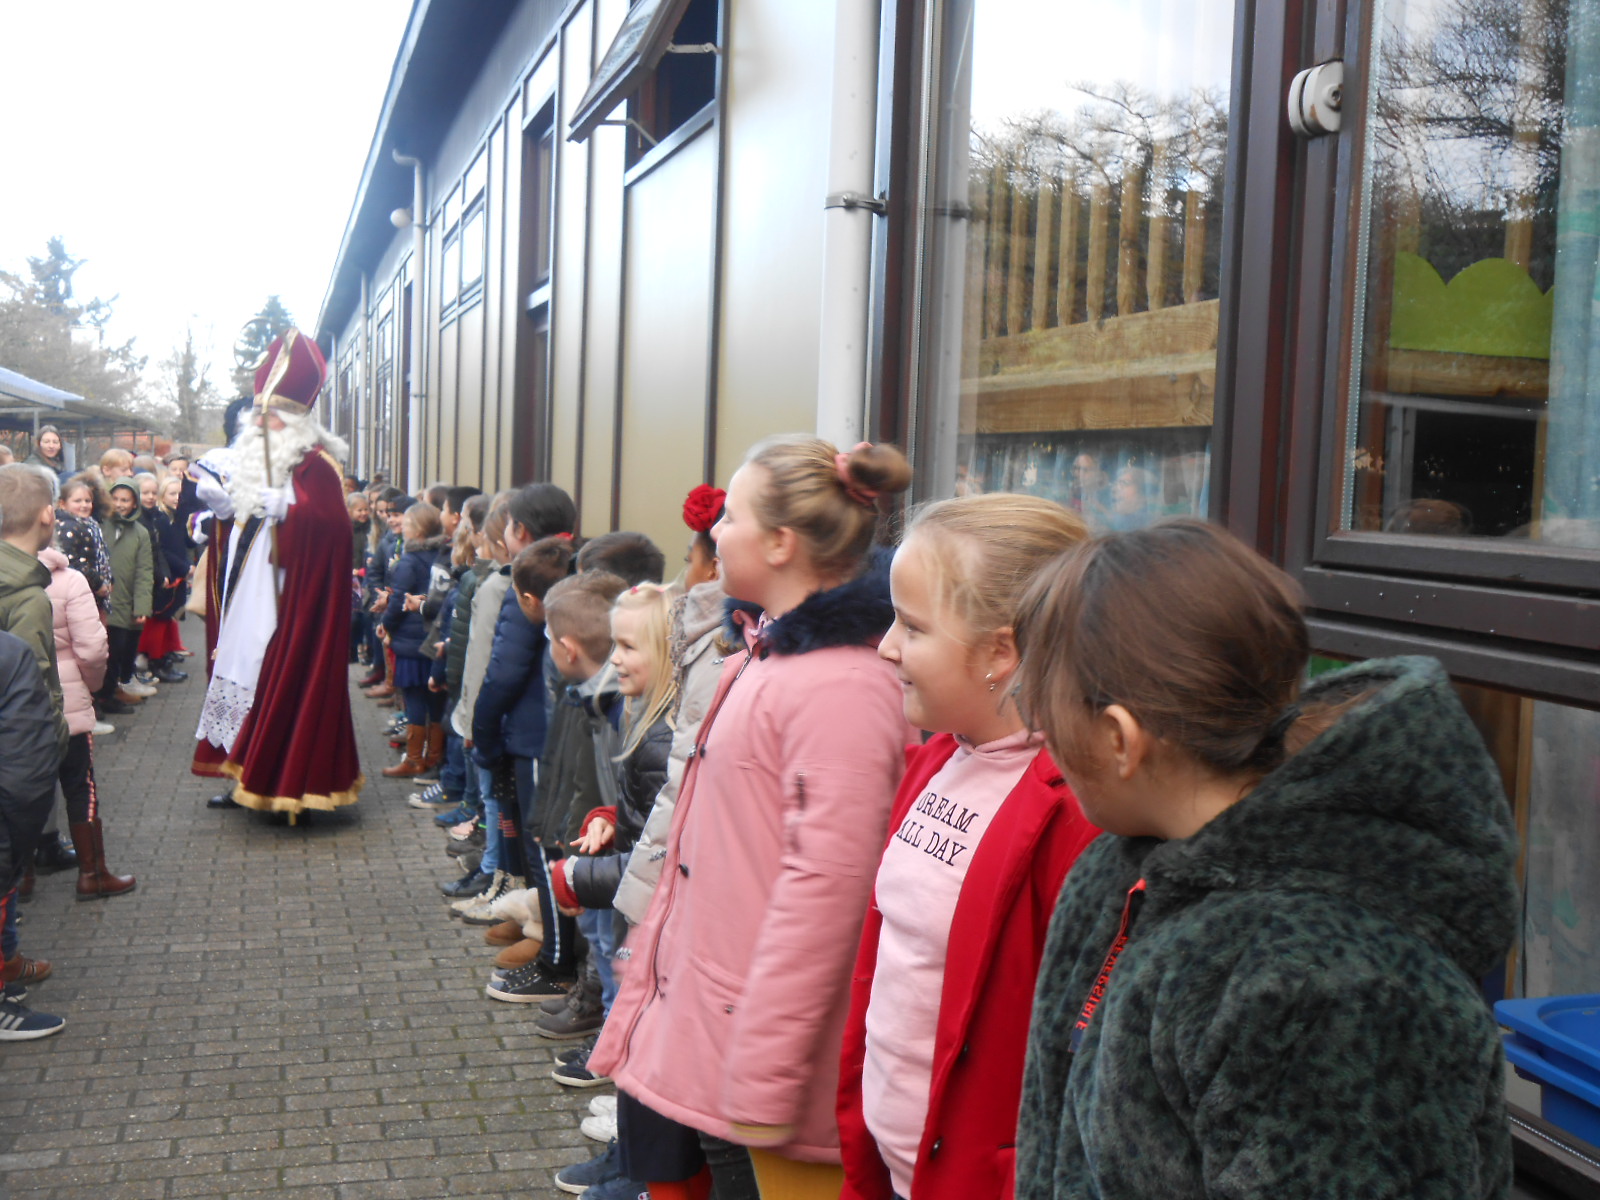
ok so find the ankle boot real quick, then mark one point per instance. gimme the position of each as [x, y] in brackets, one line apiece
[433, 747]
[53, 854]
[95, 879]
[411, 764]
[372, 679]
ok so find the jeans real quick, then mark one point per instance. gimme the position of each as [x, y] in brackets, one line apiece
[453, 771]
[598, 925]
[493, 844]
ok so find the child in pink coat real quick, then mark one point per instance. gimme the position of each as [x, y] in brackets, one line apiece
[732, 1007]
[81, 661]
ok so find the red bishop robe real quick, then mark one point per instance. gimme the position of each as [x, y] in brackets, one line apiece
[297, 747]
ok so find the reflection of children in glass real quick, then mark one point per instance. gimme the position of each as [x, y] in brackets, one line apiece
[1130, 500]
[1091, 494]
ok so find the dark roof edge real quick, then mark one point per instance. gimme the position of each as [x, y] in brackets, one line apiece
[397, 76]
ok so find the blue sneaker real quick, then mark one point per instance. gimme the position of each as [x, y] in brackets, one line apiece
[602, 1168]
[19, 1023]
[452, 816]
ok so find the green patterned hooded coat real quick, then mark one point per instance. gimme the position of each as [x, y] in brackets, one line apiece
[1296, 1013]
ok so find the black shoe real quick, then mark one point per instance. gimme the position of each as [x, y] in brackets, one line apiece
[575, 1072]
[573, 1053]
[224, 800]
[113, 707]
[473, 883]
[54, 855]
[527, 985]
[168, 675]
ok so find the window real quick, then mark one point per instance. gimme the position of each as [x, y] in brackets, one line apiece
[1472, 414]
[383, 384]
[661, 63]
[1458, 495]
[1071, 236]
[531, 426]
[463, 220]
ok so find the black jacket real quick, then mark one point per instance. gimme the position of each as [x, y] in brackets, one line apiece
[29, 753]
[639, 778]
[1296, 1011]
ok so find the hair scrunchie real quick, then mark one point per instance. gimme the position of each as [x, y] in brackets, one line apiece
[857, 492]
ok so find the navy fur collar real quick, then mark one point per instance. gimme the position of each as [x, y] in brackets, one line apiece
[856, 613]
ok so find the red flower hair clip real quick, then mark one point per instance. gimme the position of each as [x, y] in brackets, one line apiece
[703, 508]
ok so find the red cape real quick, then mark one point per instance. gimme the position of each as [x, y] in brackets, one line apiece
[297, 748]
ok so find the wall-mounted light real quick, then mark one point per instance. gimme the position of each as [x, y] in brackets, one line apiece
[400, 218]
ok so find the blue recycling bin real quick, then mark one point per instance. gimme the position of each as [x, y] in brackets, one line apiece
[1555, 1041]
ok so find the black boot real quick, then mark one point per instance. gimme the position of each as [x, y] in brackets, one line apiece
[54, 855]
[165, 669]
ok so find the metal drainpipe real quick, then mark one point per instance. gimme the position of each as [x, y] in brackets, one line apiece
[366, 371]
[848, 214]
[419, 322]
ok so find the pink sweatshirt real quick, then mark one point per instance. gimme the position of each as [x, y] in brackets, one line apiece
[919, 882]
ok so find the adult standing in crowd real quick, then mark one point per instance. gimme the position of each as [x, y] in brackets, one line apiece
[277, 713]
[48, 452]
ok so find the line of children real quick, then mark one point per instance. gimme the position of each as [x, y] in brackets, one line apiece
[841, 928]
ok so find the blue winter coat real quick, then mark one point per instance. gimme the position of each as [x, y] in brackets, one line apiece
[410, 577]
[509, 715]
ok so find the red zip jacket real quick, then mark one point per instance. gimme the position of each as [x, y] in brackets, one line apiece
[996, 941]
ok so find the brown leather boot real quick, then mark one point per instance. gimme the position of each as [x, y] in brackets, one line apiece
[433, 747]
[378, 691]
[507, 933]
[411, 764]
[95, 879]
[22, 969]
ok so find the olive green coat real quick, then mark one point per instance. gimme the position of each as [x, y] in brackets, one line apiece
[25, 611]
[132, 570]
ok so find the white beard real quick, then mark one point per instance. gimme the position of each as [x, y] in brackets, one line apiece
[286, 447]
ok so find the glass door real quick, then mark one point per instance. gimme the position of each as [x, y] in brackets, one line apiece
[1068, 262]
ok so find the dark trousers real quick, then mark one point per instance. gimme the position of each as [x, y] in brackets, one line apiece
[423, 707]
[656, 1149]
[123, 648]
[561, 941]
[77, 779]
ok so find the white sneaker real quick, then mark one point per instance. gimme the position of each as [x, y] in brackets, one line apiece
[141, 662]
[101, 728]
[134, 688]
[601, 1129]
[496, 885]
[603, 1106]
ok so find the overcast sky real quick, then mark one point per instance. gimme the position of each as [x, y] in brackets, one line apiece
[1028, 53]
[200, 154]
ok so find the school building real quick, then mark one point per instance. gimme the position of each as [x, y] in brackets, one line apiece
[1322, 270]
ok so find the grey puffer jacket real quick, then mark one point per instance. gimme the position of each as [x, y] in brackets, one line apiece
[697, 643]
[1295, 1013]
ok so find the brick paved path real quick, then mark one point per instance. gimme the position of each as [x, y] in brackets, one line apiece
[275, 1010]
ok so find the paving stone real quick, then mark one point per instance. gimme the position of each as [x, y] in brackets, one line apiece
[275, 1010]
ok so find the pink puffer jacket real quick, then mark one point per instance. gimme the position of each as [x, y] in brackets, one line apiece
[732, 1006]
[80, 639]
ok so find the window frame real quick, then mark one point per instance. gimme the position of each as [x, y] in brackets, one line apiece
[1520, 616]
